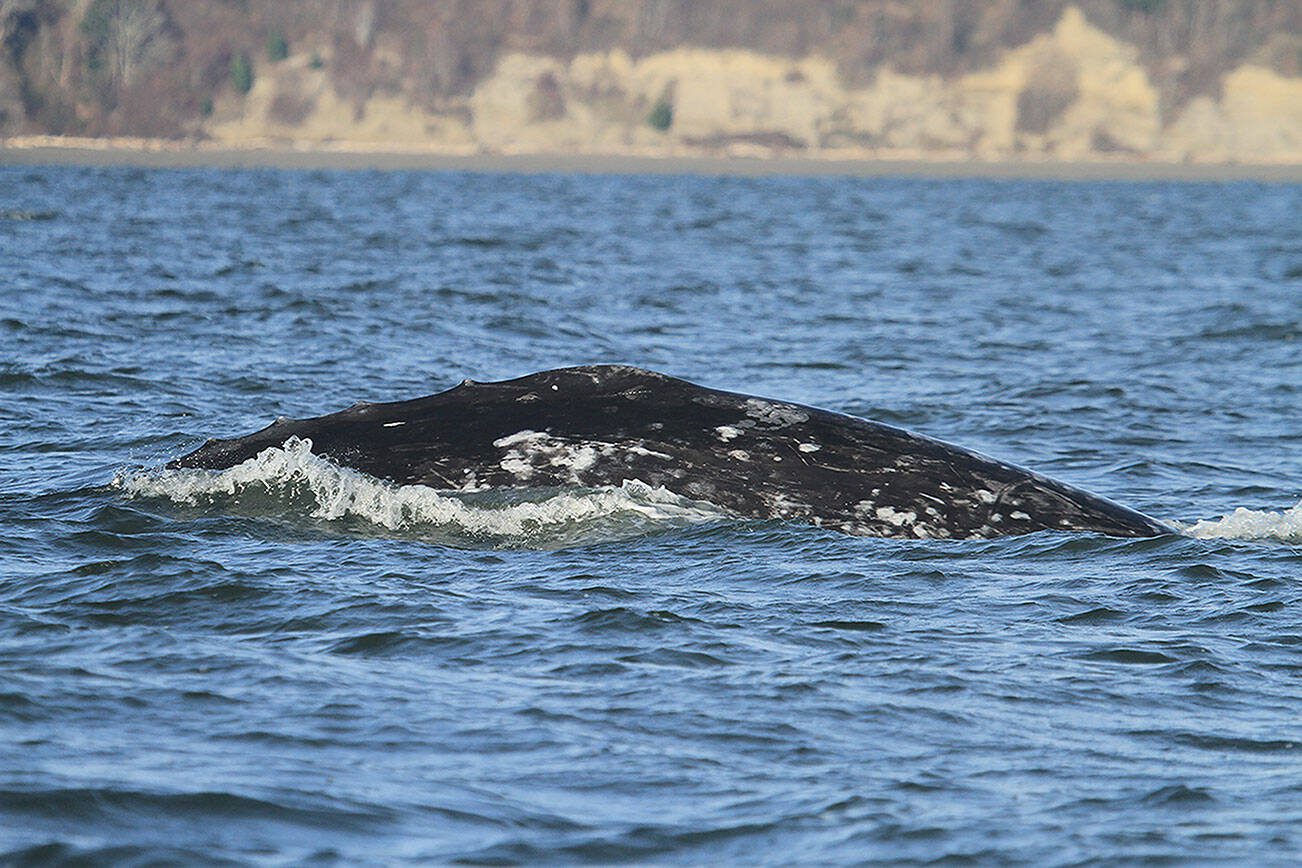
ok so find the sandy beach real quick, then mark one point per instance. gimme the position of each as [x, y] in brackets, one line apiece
[163, 154]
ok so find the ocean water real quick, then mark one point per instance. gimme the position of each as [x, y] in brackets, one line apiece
[288, 662]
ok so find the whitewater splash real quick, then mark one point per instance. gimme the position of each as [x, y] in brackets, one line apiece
[292, 478]
[1251, 524]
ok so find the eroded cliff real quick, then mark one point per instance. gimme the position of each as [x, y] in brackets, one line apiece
[1203, 81]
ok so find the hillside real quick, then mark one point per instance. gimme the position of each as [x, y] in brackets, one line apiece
[1195, 81]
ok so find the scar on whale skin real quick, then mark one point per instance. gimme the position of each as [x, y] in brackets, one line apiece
[604, 425]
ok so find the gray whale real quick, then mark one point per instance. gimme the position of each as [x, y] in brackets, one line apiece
[605, 424]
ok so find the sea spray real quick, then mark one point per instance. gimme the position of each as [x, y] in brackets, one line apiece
[1252, 524]
[293, 478]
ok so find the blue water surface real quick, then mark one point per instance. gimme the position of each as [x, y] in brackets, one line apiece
[248, 677]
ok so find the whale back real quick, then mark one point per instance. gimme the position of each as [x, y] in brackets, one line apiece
[606, 424]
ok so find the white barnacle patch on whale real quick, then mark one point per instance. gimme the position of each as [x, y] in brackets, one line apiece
[517, 465]
[774, 415]
[470, 482]
[527, 452]
[899, 519]
[1019, 516]
[531, 452]
[517, 438]
[645, 452]
[783, 506]
[739, 454]
[984, 496]
[393, 424]
[578, 458]
[809, 447]
[727, 432]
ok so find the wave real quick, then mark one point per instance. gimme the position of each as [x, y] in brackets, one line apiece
[291, 480]
[1251, 524]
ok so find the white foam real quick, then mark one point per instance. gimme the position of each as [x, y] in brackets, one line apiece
[292, 479]
[1251, 524]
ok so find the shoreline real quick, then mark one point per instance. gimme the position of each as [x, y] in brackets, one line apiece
[165, 155]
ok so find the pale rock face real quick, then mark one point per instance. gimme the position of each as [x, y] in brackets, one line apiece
[1259, 117]
[1074, 93]
[1116, 97]
[381, 120]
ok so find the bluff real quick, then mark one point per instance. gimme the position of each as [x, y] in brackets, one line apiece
[1197, 81]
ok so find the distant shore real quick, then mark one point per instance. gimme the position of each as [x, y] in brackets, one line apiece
[159, 154]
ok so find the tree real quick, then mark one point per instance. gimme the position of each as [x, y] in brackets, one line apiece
[277, 47]
[662, 115]
[241, 73]
[126, 38]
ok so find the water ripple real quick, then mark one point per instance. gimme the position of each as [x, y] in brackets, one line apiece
[290, 663]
